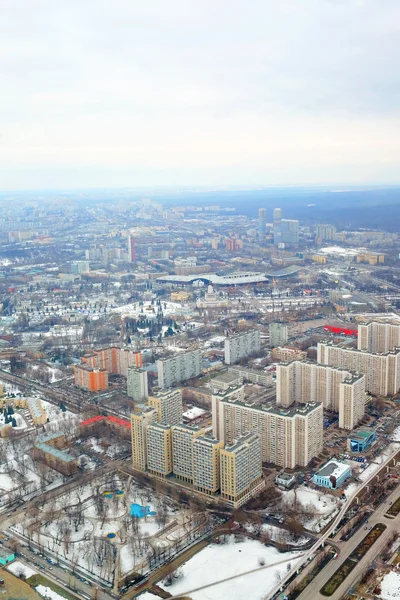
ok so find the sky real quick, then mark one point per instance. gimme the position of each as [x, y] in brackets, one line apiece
[117, 93]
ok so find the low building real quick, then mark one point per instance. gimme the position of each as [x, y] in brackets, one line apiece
[288, 354]
[361, 440]
[372, 258]
[285, 480]
[49, 452]
[6, 556]
[225, 380]
[332, 475]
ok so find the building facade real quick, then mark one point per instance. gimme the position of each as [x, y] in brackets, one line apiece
[241, 470]
[90, 378]
[139, 424]
[159, 449]
[278, 334]
[181, 367]
[339, 390]
[378, 337]
[206, 464]
[137, 384]
[382, 371]
[240, 345]
[168, 405]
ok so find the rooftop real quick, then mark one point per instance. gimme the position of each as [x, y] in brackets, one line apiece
[333, 468]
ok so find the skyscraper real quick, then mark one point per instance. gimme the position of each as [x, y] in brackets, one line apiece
[262, 221]
[131, 249]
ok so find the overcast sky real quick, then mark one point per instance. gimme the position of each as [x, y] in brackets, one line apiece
[198, 92]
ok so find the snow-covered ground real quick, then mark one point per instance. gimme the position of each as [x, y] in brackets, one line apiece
[390, 586]
[148, 596]
[47, 592]
[220, 561]
[322, 507]
[18, 568]
[193, 413]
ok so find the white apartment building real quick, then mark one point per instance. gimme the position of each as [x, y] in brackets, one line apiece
[289, 437]
[382, 371]
[278, 334]
[169, 407]
[378, 337]
[232, 393]
[240, 345]
[351, 402]
[182, 366]
[310, 382]
[137, 384]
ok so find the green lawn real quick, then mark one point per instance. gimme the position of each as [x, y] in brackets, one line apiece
[38, 579]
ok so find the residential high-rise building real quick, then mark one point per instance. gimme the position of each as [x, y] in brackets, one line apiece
[89, 378]
[137, 384]
[131, 249]
[114, 359]
[325, 233]
[169, 407]
[310, 382]
[139, 424]
[262, 221]
[286, 231]
[289, 437]
[351, 402]
[382, 371]
[159, 449]
[182, 450]
[206, 464]
[278, 334]
[80, 266]
[378, 337]
[235, 392]
[241, 470]
[240, 345]
[180, 367]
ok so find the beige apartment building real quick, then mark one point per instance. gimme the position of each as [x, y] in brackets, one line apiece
[139, 424]
[378, 337]
[241, 470]
[182, 450]
[168, 404]
[382, 371]
[206, 464]
[159, 449]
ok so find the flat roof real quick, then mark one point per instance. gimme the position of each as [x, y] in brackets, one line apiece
[362, 434]
[333, 468]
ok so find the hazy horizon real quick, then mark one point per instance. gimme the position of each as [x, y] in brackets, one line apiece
[217, 93]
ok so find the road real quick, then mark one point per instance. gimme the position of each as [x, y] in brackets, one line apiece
[393, 525]
[332, 528]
